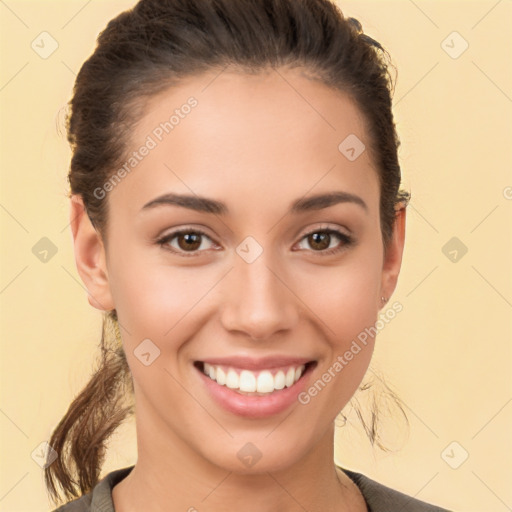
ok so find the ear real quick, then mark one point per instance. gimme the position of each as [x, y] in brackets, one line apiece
[393, 256]
[90, 256]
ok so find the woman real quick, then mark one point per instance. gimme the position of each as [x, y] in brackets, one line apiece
[236, 213]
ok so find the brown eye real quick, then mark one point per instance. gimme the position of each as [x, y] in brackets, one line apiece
[320, 241]
[187, 241]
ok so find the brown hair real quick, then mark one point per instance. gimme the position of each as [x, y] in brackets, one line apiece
[151, 47]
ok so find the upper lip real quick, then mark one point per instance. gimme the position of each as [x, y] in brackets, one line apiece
[261, 363]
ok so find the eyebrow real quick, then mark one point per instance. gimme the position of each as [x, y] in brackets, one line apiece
[206, 205]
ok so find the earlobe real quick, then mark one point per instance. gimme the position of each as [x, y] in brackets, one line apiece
[393, 256]
[90, 256]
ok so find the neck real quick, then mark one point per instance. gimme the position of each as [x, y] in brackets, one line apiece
[169, 476]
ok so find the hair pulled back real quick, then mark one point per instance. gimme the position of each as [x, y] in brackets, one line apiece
[151, 47]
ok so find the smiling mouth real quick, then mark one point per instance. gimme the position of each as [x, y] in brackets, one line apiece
[255, 383]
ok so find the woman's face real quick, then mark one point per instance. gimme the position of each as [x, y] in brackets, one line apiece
[270, 280]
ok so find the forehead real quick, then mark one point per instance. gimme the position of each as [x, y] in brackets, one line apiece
[274, 136]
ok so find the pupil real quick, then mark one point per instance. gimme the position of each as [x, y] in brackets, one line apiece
[191, 240]
[316, 236]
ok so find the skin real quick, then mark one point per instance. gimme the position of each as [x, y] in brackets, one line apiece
[256, 143]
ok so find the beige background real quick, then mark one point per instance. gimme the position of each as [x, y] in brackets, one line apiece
[447, 354]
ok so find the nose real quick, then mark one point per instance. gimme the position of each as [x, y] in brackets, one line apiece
[258, 300]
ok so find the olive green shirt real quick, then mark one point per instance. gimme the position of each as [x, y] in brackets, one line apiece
[378, 497]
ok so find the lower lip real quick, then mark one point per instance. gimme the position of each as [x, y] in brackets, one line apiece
[255, 406]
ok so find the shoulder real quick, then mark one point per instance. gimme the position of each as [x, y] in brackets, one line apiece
[380, 498]
[82, 504]
[100, 498]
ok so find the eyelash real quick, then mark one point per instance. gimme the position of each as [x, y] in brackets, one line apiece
[164, 241]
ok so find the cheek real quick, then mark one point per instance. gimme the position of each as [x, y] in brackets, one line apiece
[152, 299]
[160, 302]
[345, 297]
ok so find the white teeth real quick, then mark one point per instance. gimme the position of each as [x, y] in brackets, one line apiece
[265, 382]
[232, 379]
[290, 377]
[279, 380]
[220, 376]
[249, 382]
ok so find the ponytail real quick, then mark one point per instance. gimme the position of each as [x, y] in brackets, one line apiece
[90, 420]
